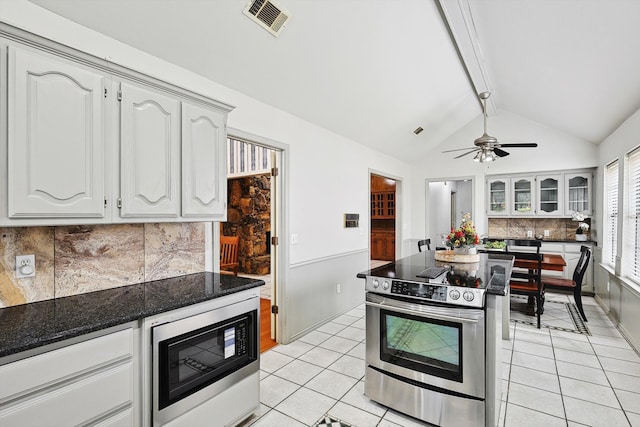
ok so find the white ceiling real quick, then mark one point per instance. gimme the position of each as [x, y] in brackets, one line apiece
[374, 70]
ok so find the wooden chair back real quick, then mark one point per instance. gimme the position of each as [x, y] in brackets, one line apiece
[513, 244]
[527, 281]
[575, 284]
[423, 243]
[229, 254]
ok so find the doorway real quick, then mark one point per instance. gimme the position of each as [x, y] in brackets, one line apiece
[446, 203]
[252, 218]
[384, 203]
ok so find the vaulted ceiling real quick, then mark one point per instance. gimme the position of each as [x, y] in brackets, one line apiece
[374, 70]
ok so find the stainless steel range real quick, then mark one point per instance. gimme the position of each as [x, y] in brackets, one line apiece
[428, 327]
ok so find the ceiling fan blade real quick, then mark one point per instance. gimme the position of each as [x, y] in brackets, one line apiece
[459, 149]
[520, 144]
[468, 152]
[499, 152]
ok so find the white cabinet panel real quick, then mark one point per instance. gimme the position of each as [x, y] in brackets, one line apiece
[498, 193]
[55, 138]
[204, 184]
[523, 196]
[72, 385]
[550, 195]
[578, 189]
[149, 154]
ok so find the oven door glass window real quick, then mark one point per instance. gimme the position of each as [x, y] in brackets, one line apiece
[430, 346]
[191, 361]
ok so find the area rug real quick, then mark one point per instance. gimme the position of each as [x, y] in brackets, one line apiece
[558, 315]
[330, 421]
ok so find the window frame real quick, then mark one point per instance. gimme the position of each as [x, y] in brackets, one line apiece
[611, 213]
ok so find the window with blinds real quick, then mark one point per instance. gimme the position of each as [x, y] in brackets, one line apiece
[611, 214]
[631, 239]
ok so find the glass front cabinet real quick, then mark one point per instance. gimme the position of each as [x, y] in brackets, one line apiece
[549, 191]
[498, 194]
[578, 192]
[523, 196]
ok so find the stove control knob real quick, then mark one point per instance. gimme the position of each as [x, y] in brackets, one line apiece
[454, 294]
[385, 285]
[468, 295]
[375, 283]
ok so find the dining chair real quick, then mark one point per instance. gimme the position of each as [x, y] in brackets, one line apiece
[574, 284]
[519, 243]
[229, 254]
[423, 243]
[528, 281]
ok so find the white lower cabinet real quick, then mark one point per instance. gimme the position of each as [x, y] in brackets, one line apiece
[88, 383]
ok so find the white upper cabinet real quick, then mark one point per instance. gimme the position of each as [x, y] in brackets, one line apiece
[55, 138]
[204, 142]
[498, 193]
[578, 188]
[549, 192]
[149, 154]
[523, 195]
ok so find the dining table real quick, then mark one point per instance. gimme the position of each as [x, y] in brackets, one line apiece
[550, 262]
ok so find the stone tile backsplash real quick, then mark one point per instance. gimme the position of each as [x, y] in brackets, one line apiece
[78, 259]
[559, 228]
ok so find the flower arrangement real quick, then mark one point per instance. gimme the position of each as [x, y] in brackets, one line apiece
[582, 226]
[465, 235]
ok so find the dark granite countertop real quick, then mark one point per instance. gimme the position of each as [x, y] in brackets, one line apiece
[36, 324]
[547, 240]
[408, 269]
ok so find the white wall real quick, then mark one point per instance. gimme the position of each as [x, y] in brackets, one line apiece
[556, 151]
[620, 296]
[328, 174]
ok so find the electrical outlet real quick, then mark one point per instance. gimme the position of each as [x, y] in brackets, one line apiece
[338, 288]
[529, 233]
[546, 233]
[25, 266]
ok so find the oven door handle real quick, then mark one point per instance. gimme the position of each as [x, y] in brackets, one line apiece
[400, 308]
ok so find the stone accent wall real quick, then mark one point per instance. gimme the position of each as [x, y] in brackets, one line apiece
[559, 228]
[77, 259]
[249, 217]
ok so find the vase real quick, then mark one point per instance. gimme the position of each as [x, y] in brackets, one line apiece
[581, 237]
[465, 250]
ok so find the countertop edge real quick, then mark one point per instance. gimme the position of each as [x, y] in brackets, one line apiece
[50, 310]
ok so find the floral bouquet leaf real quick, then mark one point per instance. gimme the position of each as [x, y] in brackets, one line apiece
[465, 235]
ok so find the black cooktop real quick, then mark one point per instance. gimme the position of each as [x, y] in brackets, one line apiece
[488, 273]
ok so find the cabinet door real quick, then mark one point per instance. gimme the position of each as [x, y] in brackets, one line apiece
[549, 191]
[578, 193]
[55, 138]
[204, 160]
[498, 194]
[523, 196]
[149, 154]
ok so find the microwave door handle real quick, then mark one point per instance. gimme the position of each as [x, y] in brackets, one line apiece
[421, 313]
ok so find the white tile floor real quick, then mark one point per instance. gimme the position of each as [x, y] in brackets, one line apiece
[550, 377]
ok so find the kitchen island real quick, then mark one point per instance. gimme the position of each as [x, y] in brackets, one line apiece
[434, 334]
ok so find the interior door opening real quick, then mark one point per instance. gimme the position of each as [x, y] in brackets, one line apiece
[383, 193]
[251, 214]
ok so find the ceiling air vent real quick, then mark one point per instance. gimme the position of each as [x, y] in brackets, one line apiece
[268, 15]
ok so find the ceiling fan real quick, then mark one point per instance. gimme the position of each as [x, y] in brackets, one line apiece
[487, 147]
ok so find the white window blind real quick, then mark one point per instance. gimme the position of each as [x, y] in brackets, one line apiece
[631, 239]
[611, 214]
